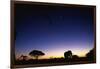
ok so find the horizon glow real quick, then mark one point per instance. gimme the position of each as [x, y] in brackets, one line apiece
[53, 30]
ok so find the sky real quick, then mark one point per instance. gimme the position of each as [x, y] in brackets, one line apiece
[53, 30]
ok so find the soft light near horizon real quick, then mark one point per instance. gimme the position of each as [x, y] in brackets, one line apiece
[53, 30]
[59, 54]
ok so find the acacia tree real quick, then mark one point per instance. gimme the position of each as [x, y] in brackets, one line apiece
[36, 54]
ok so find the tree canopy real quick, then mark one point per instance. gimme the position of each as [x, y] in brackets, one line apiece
[36, 53]
[68, 55]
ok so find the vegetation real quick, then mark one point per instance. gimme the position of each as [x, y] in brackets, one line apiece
[36, 53]
[67, 59]
[68, 55]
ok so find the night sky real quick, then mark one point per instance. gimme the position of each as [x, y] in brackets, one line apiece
[53, 29]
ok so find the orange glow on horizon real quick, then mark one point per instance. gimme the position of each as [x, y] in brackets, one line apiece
[60, 53]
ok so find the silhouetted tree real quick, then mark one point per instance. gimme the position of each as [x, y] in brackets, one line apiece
[23, 57]
[36, 53]
[68, 55]
[75, 58]
[90, 55]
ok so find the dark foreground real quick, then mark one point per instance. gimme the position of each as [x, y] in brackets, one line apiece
[52, 62]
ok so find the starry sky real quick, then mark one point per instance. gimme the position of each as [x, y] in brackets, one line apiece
[53, 29]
